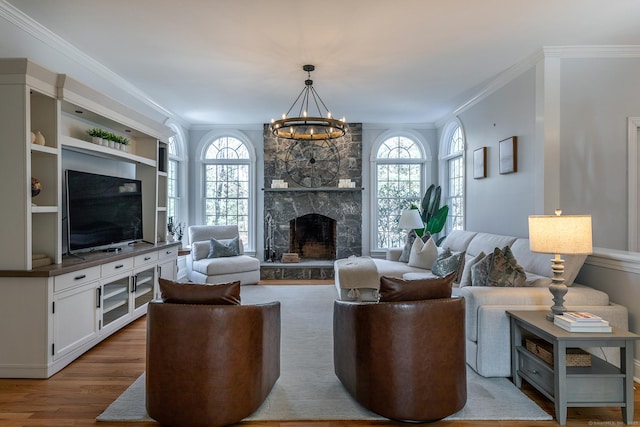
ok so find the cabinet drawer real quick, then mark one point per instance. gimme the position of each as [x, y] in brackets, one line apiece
[75, 278]
[167, 253]
[116, 267]
[145, 258]
[536, 370]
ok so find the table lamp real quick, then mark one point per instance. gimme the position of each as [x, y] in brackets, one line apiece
[410, 220]
[557, 234]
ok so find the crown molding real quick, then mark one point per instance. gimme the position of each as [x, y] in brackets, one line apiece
[561, 52]
[27, 24]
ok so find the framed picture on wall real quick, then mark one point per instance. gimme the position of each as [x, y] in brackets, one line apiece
[509, 155]
[480, 163]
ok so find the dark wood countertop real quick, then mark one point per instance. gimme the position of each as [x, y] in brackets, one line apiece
[73, 263]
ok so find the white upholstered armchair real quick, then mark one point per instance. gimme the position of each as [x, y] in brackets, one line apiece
[226, 262]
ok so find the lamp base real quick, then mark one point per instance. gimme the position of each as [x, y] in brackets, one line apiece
[557, 288]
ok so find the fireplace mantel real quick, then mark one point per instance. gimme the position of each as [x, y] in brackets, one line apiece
[312, 189]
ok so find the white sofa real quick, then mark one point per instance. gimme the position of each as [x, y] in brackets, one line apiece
[201, 269]
[486, 323]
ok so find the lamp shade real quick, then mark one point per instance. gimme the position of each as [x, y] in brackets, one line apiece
[410, 220]
[560, 234]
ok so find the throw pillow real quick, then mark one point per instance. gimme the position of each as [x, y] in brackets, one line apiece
[505, 271]
[224, 248]
[480, 271]
[423, 255]
[448, 262]
[411, 237]
[188, 293]
[465, 279]
[395, 289]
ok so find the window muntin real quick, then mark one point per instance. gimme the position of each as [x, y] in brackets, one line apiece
[399, 182]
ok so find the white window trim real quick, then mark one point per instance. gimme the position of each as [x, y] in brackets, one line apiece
[444, 156]
[203, 144]
[374, 161]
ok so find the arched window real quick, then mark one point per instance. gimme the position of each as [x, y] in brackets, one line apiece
[177, 203]
[399, 183]
[452, 149]
[227, 172]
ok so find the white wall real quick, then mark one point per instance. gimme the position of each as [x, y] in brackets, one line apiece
[597, 96]
[501, 203]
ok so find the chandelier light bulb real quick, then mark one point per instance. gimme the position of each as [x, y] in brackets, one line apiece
[304, 113]
[328, 114]
[284, 116]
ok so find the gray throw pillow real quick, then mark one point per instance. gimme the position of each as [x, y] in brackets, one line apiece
[480, 271]
[448, 262]
[224, 248]
[406, 251]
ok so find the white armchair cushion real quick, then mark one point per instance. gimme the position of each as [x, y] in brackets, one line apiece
[227, 265]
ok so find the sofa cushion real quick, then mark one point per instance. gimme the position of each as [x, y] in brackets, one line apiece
[422, 254]
[227, 265]
[224, 247]
[395, 289]
[448, 262]
[188, 293]
[485, 242]
[458, 240]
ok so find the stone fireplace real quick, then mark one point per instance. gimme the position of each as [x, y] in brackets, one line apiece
[318, 223]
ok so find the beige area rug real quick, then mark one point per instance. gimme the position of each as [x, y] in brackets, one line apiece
[308, 388]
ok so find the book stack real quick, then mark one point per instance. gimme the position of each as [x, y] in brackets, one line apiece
[578, 321]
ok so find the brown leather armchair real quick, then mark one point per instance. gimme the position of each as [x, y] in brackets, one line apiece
[210, 365]
[402, 360]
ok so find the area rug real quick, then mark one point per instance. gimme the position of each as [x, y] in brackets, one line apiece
[308, 388]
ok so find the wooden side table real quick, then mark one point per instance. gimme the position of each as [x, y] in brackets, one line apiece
[601, 384]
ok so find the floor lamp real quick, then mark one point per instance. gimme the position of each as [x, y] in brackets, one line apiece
[557, 234]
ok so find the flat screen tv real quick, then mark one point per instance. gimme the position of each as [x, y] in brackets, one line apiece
[102, 210]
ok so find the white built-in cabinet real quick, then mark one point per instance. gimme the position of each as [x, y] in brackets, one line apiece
[53, 314]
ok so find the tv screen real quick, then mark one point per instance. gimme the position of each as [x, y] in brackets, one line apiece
[102, 210]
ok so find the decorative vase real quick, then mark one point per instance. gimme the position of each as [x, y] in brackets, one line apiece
[96, 140]
[39, 138]
[112, 144]
[33, 137]
[35, 187]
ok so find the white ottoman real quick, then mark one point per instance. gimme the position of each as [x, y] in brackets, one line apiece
[356, 279]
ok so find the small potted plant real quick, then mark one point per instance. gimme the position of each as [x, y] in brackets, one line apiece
[96, 135]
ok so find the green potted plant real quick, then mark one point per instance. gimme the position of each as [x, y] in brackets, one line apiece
[96, 135]
[433, 215]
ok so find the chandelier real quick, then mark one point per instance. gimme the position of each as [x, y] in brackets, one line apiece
[306, 126]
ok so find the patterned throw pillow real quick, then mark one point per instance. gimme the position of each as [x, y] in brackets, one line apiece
[465, 279]
[188, 293]
[395, 289]
[448, 262]
[505, 270]
[480, 271]
[406, 251]
[224, 248]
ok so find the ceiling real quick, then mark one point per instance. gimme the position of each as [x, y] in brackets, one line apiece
[402, 61]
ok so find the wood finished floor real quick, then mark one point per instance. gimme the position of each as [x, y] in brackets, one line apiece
[81, 391]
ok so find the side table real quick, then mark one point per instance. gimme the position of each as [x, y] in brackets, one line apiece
[601, 384]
